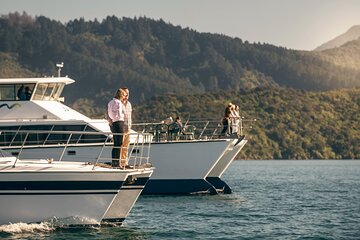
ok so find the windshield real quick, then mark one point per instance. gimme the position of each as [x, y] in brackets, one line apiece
[48, 91]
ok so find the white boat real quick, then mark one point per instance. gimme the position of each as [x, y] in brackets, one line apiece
[182, 166]
[67, 193]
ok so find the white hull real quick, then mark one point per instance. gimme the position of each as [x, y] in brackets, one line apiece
[222, 164]
[74, 209]
[67, 193]
[126, 198]
[181, 167]
[229, 155]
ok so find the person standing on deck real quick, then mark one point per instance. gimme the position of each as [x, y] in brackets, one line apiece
[235, 119]
[116, 113]
[127, 127]
[226, 121]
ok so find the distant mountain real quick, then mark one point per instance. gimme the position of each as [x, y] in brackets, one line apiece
[346, 56]
[352, 34]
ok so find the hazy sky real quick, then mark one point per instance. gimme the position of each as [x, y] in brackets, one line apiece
[296, 24]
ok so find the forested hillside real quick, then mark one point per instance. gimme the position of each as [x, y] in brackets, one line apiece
[9, 67]
[291, 124]
[346, 56]
[306, 103]
[155, 57]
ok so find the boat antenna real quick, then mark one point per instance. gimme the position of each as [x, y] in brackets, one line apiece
[59, 66]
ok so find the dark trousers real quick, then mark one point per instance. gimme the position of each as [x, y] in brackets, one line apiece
[117, 127]
[226, 123]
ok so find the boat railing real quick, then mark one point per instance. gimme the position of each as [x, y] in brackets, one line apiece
[17, 141]
[48, 137]
[196, 129]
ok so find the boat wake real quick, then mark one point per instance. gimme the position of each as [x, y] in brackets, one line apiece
[47, 226]
[26, 228]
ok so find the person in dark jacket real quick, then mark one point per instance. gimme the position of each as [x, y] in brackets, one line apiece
[226, 120]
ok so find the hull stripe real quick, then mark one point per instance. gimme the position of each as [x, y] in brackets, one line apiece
[60, 185]
[56, 193]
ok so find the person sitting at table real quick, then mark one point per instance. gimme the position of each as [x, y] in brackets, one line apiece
[168, 121]
[176, 128]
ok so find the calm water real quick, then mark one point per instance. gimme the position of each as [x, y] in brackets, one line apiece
[271, 200]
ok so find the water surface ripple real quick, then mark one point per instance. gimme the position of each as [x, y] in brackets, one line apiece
[270, 200]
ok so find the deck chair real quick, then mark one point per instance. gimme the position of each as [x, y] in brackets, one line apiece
[189, 132]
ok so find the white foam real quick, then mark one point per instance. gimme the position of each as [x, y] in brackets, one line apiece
[48, 225]
[16, 228]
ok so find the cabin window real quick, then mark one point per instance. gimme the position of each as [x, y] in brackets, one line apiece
[16, 92]
[40, 91]
[48, 91]
[7, 92]
[57, 90]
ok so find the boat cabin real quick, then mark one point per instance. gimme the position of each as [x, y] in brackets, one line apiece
[39, 89]
[28, 104]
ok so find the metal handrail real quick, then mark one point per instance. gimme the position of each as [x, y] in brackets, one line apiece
[202, 132]
[100, 153]
[139, 152]
[20, 149]
[205, 129]
[67, 143]
[52, 128]
[15, 136]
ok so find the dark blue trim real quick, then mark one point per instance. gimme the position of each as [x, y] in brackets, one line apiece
[60, 185]
[141, 181]
[56, 193]
[178, 186]
[219, 185]
[135, 188]
[113, 220]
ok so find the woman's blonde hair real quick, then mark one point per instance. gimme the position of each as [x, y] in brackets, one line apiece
[119, 93]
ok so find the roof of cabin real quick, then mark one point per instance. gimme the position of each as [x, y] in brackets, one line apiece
[65, 80]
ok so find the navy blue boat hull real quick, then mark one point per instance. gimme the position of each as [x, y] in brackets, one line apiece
[185, 186]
